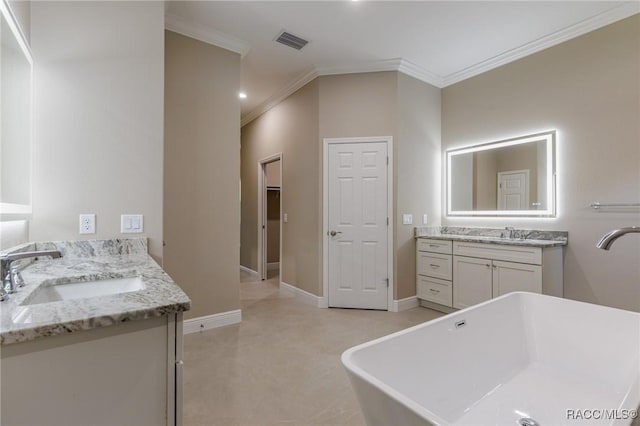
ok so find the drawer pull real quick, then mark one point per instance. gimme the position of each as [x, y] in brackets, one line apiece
[487, 265]
[434, 266]
[434, 245]
[433, 290]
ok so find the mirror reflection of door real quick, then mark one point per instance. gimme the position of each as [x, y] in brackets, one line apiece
[513, 190]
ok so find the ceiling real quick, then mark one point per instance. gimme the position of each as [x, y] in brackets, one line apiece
[440, 42]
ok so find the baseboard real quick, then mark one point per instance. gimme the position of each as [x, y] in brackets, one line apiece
[273, 265]
[436, 307]
[250, 271]
[209, 322]
[305, 296]
[404, 304]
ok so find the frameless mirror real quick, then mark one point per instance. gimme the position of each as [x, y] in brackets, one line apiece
[513, 177]
[15, 117]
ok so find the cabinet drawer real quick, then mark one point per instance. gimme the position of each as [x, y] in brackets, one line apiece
[436, 246]
[509, 253]
[434, 265]
[435, 290]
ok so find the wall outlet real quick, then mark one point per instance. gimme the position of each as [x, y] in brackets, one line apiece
[131, 223]
[87, 224]
[407, 219]
[425, 219]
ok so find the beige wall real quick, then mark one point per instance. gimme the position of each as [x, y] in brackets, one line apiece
[98, 114]
[589, 90]
[417, 172]
[291, 128]
[352, 105]
[202, 166]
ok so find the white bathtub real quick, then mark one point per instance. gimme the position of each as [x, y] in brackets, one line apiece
[519, 356]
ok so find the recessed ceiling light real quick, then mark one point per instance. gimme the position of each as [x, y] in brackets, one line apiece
[242, 95]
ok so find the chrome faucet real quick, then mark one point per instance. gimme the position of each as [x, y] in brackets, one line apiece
[607, 240]
[9, 273]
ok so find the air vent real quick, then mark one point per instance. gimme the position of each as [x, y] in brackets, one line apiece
[290, 40]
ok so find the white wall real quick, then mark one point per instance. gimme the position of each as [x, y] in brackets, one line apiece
[588, 89]
[98, 128]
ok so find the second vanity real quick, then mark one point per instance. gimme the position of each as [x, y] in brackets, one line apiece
[459, 267]
[94, 337]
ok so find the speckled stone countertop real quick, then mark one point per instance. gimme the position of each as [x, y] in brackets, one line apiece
[508, 236]
[87, 261]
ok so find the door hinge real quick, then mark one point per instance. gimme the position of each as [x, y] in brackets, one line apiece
[387, 160]
[387, 282]
[387, 221]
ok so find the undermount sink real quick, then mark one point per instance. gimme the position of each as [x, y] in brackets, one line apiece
[84, 289]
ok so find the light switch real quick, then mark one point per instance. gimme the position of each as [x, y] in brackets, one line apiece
[407, 219]
[425, 219]
[131, 224]
[285, 218]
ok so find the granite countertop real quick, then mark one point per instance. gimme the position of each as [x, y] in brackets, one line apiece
[507, 236]
[88, 261]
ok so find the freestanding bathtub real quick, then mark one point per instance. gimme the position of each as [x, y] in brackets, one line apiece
[521, 358]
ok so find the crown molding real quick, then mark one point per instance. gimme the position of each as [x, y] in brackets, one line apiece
[608, 17]
[420, 73]
[279, 96]
[396, 64]
[402, 65]
[359, 67]
[204, 33]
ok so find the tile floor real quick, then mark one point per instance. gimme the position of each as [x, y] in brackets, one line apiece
[281, 365]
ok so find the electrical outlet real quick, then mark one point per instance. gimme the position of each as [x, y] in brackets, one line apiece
[87, 223]
[407, 219]
[425, 219]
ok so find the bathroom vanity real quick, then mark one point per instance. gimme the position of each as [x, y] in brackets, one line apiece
[460, 267]
[94, 337]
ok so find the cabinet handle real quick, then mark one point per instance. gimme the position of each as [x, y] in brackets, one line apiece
[433, 290]
[495, 267]
[434, 245]
[487, 265]
[434, 266]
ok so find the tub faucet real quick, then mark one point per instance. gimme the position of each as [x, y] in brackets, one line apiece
[9, 273]
[607, 240]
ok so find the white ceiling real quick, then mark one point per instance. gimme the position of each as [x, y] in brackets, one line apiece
[440, 42]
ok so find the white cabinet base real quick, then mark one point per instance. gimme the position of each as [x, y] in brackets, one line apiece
[120, 374]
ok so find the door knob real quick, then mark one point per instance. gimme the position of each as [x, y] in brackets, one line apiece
[334, 233]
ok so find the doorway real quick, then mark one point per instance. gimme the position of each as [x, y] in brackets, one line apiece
[513, 190]
[269, 214]
[357, 217]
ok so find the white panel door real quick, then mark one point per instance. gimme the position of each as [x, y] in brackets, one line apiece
[357, 213]
[513, 190]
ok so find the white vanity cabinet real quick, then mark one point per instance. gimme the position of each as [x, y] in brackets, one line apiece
[459, 274]
[123, 374]
[434, 271]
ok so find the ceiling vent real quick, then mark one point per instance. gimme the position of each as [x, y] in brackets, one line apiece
[290, 40]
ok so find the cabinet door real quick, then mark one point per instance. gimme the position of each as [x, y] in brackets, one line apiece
[471, 281]
[510, 276]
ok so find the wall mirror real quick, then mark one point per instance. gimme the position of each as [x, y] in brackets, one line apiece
[512, 177]
[16, 66]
